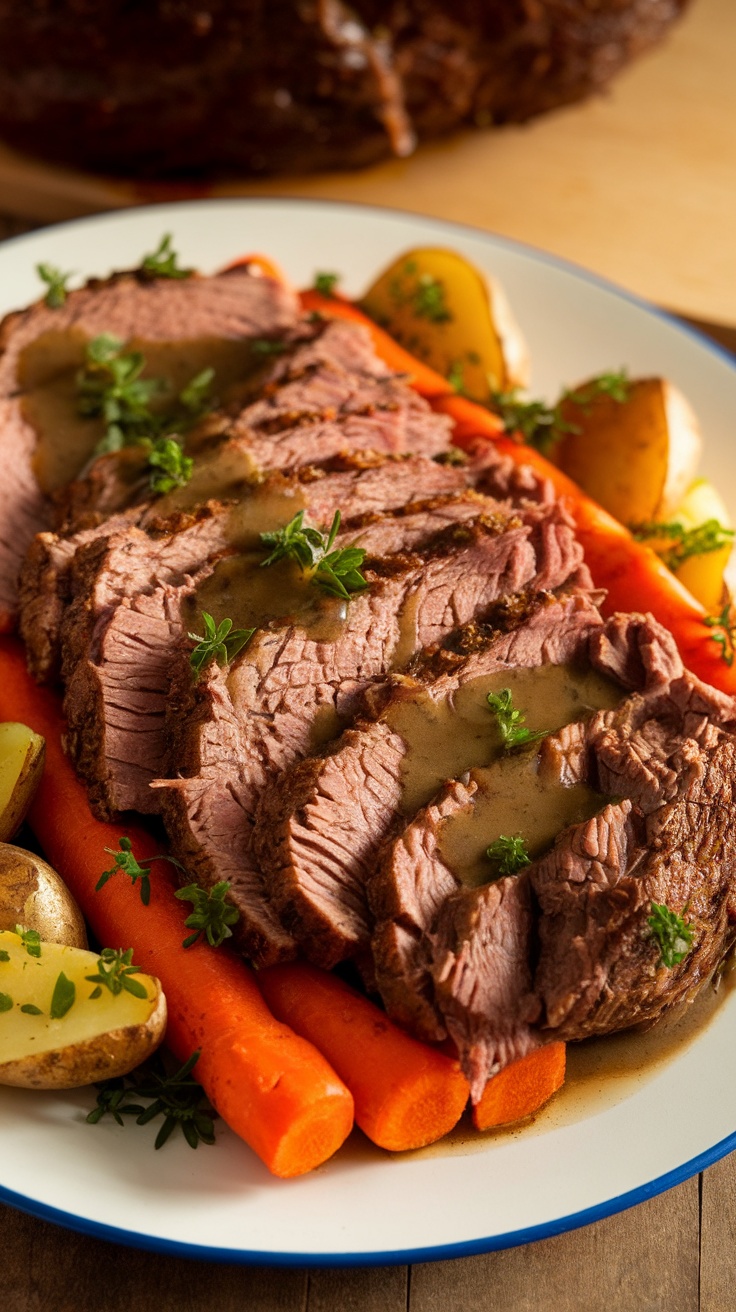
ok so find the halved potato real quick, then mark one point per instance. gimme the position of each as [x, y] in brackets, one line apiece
[636, 457]
[443, 310]
[94, 1039]
[22, 754]
[704, 574]
[33, 895]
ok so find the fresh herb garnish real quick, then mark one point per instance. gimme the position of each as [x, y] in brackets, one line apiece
[336, 572]
[110, 386]
[114, 972]
[178, 1098]
[29, 1010]
[724, 632]
[170, 468]
[212, 915]
[510, 853]
[541, 425]
[6, 1002]
[56, 282]
[62, 997]
[325, 283]
[127, 864]
[511, 722]
[163, 263]
[682, 543]
[195, 397]
[4, 956]
[422, 292]
[221, 642]
[266, 346]
[31, 940]
[673, 934]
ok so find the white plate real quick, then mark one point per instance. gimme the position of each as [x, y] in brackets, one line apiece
[586, 1156]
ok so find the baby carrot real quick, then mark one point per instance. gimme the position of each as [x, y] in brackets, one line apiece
[522, 1087]
[407, 1094]
[274, 1089]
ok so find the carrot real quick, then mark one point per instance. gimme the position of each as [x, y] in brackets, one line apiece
[407, 1094]
[424, 380]
[522, 1087]
[273, 1088]
[262, 262]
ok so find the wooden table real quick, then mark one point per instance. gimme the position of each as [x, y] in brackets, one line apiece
[641, 187]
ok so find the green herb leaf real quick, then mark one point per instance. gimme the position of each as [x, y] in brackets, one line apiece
[4, 956]
[220, 642]
[31, 940]
[62, 997]
[114, 971]
[424, 294]
[163, 263]
[127, 864]
[337, 572]
[680, 543]
[177, 1097]
[212, 915]
[724, 632]
[267, 346]
[6, 1002]
[169, 466]
[325, 283]
[29, 1009]
[56, 282]
[195, 397]
[673, 934]
[110, 387]
[510, 853]
[510, 721]
[541, 425]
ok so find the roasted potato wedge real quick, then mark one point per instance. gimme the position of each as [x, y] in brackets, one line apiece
[448, 314]
[22, 754]
[33, 895]
[636, 457]
[59, 1030]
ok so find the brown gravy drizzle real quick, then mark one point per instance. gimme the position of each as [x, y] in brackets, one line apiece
[47, 372]
[252, 597]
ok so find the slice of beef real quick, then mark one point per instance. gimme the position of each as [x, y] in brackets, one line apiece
[231, 305]
[237, 729]
[323, 823]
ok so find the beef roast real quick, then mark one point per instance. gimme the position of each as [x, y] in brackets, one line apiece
[232, 305]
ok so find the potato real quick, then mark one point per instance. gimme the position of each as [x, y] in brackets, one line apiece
[703, 574]
[22, 754]
[448, 314]
[637, 457]
[95, 1039]
[33, 895]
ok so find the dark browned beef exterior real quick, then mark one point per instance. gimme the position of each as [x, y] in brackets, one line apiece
[231, 305]
[564, 949]
[237, 729]
[322, 825]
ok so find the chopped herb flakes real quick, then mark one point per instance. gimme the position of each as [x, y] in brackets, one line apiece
[177, 1097]
[62, 998]
[29, 1010]
[336, 572]
[676, 544]
[4, 956]
[510, 854]
[673, 934]
[220, 642]
[511, 721]
[212, 915]
[542, 426]
[31, 940]
[6, 1002]
[424, 294]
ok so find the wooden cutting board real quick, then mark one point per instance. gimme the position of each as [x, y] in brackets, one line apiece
[639, 185]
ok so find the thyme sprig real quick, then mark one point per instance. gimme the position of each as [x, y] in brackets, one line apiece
[723, 633]
[115, 972]
[337, 571]
[511, 721]
[163, 262]
[678, 543]
[110, 386]
[510, 853]
[541, 425]
[673, 934]
[169, 467]
[126, 863]
[212, 915]
[56, 284]
[177, 1097]
[220, 642]
[325, 283]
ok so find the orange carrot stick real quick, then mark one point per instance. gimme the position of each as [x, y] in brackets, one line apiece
[273, 1088]
[424, 380]
[522, 1087]
[407, 1094]
[262, 262]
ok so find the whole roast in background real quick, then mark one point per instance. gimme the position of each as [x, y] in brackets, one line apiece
[179, 87]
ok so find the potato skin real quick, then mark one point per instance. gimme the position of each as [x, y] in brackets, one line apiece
[24, 788]
[33, 895]
[100, 1058]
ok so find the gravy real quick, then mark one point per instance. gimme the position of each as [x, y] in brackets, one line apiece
[253, 597]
